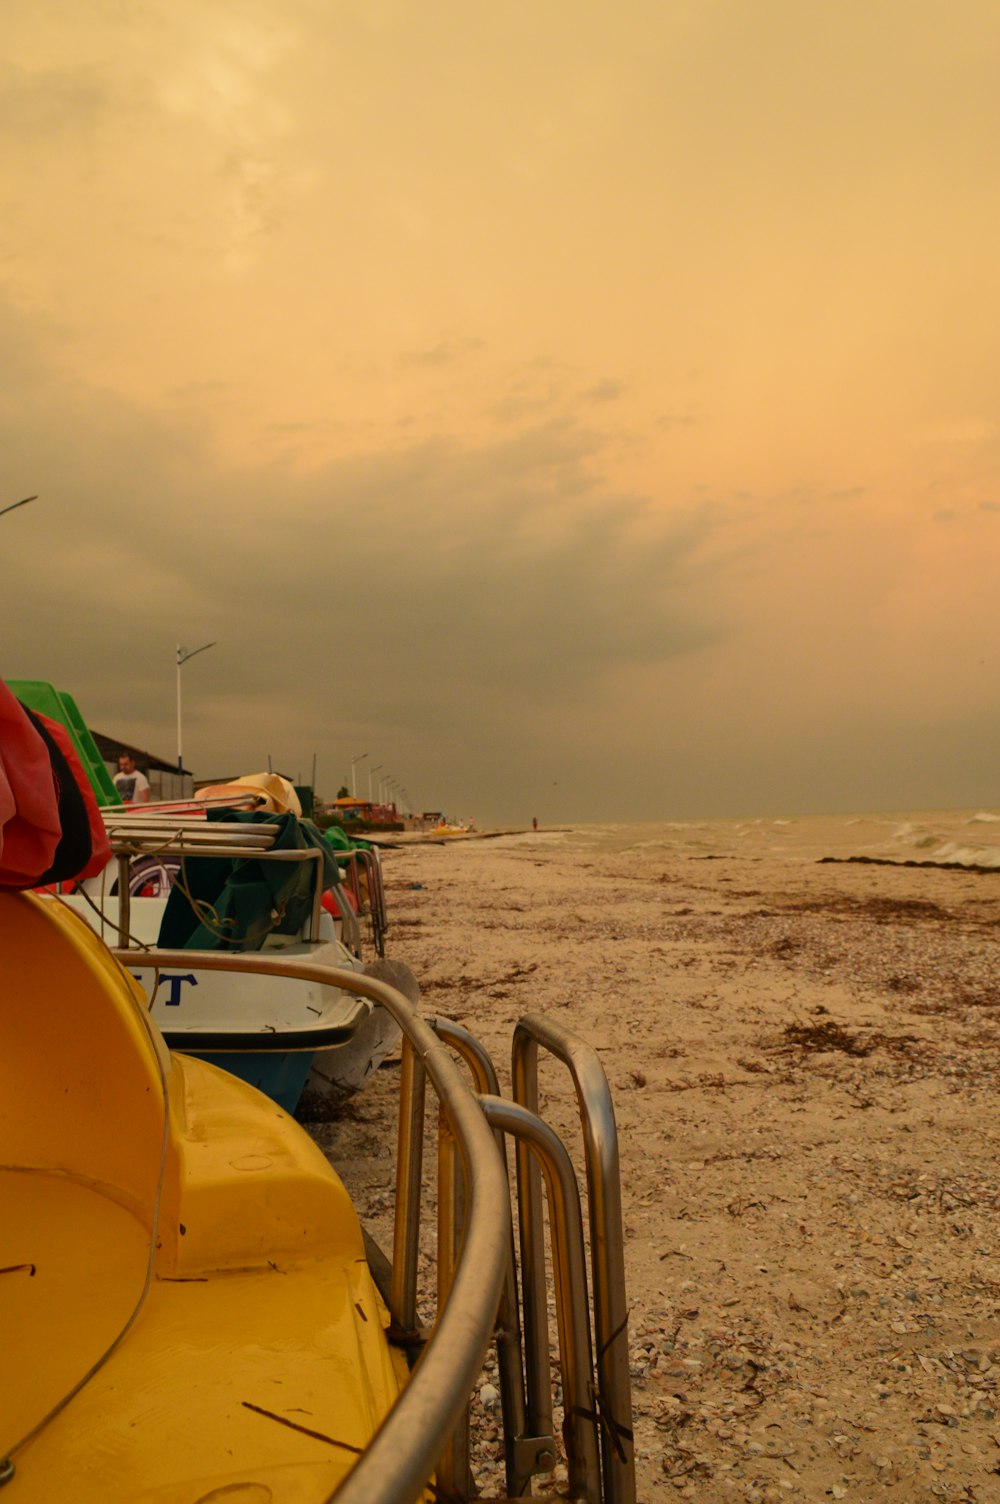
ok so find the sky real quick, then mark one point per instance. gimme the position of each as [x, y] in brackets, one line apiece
[587, 411]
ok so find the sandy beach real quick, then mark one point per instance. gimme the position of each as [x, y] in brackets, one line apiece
[803, 1056]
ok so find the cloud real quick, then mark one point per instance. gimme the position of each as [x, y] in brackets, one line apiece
[442, 596]
[961, 431]
[667, 421]
[604, 391]
[50, 103]
[446, 352]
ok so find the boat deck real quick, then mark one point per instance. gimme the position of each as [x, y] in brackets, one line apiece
[172, 1405]
[258, 1366]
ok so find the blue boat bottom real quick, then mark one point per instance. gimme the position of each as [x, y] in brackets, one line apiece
[279, 1076]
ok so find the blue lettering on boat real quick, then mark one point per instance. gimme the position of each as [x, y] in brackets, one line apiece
[175, 983]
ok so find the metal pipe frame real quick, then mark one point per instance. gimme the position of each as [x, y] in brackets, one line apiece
[453, 1477]
[376, 891]
[523, 1456]
[149, 833]
[350, 930]
[569, 1269]
[409, 1163]
[534, 1299]
[125, 847]
[600, 1136]
[406, 1449]
[380, 921]
[188, 808]
[372, 906]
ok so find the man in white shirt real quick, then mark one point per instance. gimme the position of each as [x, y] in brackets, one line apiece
[132, 785]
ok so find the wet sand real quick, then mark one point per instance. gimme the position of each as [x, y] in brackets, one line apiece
[804, 1060]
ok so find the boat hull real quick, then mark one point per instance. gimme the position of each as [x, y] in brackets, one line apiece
[264, 1030]
[338, 1073]
[259, 1336]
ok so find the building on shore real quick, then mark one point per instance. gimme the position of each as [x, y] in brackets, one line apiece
[165, 782]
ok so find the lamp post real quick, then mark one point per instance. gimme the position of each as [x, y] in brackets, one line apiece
[183, 654]
[15, 504]
[371, 770]
[354, 783]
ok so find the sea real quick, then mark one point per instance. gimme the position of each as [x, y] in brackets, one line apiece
[959, 838]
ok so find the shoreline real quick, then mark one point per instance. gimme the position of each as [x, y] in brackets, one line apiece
[805, 1061]
[402, 838]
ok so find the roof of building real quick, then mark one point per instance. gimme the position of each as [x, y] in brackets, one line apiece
[111, 749]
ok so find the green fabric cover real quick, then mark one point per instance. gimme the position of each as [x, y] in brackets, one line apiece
[339, 838]
[245, 898]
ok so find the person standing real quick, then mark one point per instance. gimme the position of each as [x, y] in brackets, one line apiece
[132, 785]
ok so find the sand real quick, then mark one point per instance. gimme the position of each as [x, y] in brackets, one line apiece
[804, 1065]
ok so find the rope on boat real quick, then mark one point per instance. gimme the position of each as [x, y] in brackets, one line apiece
[105, 921]
[7, 1466]
[206, 913]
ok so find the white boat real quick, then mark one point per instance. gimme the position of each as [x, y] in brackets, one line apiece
[281, 1035]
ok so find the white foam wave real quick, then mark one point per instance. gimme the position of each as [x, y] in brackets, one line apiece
[968, 856]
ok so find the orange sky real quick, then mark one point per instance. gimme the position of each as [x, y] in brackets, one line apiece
[590, 410]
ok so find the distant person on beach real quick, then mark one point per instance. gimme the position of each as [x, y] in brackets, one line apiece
[534, 822]
[132, 785]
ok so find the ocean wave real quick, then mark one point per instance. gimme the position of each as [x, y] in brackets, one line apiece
[917, 836]
[968, 856]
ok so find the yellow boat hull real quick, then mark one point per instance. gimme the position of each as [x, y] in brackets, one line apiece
[257, 1367]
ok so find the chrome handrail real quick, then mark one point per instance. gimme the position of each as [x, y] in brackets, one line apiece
[408, 1446]
[600, 1135]
[580, 1420]
[597, 1404]
[372, 905]
[149, 833]
[125, 850]
[524, 1456]
[182, 835]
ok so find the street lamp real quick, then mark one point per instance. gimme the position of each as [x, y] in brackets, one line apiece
[182, 657]
[354, 785]
[371, 770]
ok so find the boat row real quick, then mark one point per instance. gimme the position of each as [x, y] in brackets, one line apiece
[192, 1312]
[233, 879]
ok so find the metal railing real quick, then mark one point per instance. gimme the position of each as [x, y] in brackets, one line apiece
[612, 1393]
[137, 835]
[426, 1434]
[597, 1404]
[406, 1450]
[363, 880]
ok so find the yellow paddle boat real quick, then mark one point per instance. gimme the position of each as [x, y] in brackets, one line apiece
[188, 1305]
